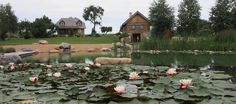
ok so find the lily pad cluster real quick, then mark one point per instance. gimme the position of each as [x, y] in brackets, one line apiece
[78, 84]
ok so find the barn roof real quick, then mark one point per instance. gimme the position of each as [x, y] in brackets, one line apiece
[71, 23]
[132, 16]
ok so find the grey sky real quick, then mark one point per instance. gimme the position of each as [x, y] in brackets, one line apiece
[116, 11]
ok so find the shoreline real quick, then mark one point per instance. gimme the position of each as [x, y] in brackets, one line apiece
[51, 47]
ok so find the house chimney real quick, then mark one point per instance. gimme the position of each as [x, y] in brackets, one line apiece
[130, 14]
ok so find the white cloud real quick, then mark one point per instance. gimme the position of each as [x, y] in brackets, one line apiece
[116, 11]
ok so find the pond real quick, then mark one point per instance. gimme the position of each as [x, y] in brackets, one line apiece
[143, 82]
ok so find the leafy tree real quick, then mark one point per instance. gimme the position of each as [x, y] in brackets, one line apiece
[161, 17]
[233, 12]
[105, 29]
[94, 15]
[42, 27]
[221, 17]
[24, 28]
[8, 21]
[188, 17]
[204, 27]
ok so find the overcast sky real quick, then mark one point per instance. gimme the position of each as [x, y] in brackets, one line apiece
[116, 11]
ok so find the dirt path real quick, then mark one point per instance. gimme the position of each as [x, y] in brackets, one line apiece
[47, 48]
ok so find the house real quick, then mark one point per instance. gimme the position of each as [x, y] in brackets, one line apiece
[137, 26]
[70, 26]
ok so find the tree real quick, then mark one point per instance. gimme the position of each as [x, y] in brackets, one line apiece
[161, 17]
[94, 15]
[24, 28]
[42, 27]
[188, 17]
[204, 27]
[233, 12]
[105, 29]
[8, 21]
[221, 17]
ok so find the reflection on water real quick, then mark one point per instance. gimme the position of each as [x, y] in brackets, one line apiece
[184, 59]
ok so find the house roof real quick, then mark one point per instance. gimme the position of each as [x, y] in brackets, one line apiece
[70, 23]
[132, 16]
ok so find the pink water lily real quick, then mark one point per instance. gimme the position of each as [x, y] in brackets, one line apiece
[49, 66]
[57, 74]
[185, 83]
[68, 65]
[171, 72]
[33, 79]
[119, 89]
[133, 76]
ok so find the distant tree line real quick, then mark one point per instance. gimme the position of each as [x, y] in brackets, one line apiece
[222, 17]
[42, 27]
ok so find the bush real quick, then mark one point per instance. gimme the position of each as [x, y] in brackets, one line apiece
[27, 35]
[7, 50]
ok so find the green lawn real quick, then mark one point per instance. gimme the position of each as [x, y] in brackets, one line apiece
[58, 40]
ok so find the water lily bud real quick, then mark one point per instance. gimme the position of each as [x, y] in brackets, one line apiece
[11, 64]
[98, 65]
[33, 79]
[49, 74]
[133, 75]
[57, 74]
[171, 72]
[185, 83]
[69, 65]
[119, 89]
[87, 68]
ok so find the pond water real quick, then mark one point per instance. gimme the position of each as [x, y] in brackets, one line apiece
[213, 80]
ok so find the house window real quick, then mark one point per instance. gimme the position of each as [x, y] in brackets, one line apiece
[78, 23]
[62, 23]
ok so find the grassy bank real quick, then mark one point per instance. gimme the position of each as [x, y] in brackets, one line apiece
[58, 40]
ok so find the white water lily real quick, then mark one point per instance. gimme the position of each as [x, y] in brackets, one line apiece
[145, 72]
[185, 83]
[68, 65]
[33, 79]
[49, 74]
[87, 68]
[89, 62]
[1, 66]
[119, 89]
[57, 74]
[133, 75]
[171, 72]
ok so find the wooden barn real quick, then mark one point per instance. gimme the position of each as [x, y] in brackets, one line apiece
[137, 26]
[70, 26]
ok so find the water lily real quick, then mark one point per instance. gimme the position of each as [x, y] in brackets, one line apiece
[89, 62]
[119, 89]
[87, 68]
[145, 72]
[49, 74]
[49, 66]
[33, 79]
[68, 65]
[1, 67]
[57, 74]
[11, 66]
[133, 75]
[171, 72]
[185, 83]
